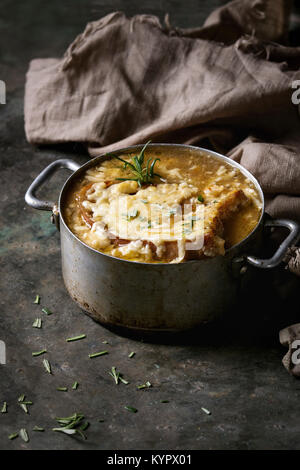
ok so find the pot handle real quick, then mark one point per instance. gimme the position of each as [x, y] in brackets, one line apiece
[30, 196]
[291, 239]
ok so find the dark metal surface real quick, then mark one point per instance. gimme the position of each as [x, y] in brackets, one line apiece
[233, 368]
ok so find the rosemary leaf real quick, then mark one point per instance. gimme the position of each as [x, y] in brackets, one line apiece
[65, 430]
[145, 385]
[39, 353]
[47, 366]
[101, 353]
[62, 389]
[206, 411]
[115, 375]
[75, 338]
[131, 354]
[37, 299]
[130, 408]
[200, 198]
[46, 311]
[84, 426]
[21, 398]
[37, 323]
[24, 407]
[24, 435]
[75, 386]
[123, 380]
[38, 428]
[4, 407]
[13, 436]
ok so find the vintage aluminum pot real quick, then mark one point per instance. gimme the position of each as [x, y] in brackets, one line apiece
[142, 296]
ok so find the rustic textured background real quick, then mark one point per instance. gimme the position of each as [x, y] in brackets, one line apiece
[233, 369]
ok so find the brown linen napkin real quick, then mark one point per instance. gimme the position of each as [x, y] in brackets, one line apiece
[127, 80]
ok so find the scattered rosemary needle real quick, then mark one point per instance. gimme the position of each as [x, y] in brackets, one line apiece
[24, 435]
[37, 299]
[13, 436]
[97, 354]
[39, 353]
[24, 407]
[130, 408]
[37, 323]
[47, 366]
[145, 385]
[38, 428]
[46, 311]
[4, 407]
[131, 354]
[75, 386]
[75, 338]
[206, 411]
[115, 375]
[123, 380]
[84, 426]
[65, 430]
[62, 389]
[21, 398]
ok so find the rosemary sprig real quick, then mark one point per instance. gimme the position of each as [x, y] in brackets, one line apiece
[141, 173]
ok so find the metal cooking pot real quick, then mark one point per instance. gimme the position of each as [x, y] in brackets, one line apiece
[164, 297]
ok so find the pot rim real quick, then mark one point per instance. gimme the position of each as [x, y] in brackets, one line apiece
[132, 148]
